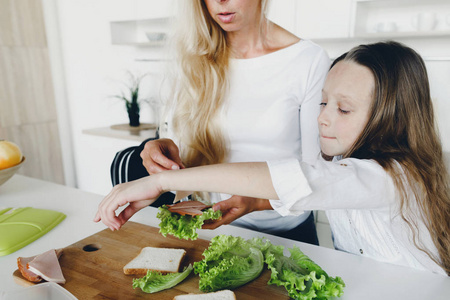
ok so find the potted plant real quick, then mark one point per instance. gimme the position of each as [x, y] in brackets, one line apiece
[132, 100]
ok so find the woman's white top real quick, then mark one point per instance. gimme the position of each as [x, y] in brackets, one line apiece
[271, 113]
[361, 204]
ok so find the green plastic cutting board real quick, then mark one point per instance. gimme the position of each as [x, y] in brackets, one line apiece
[21, 226]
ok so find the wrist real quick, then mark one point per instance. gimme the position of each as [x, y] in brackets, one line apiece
[161, 181]
[264, 204]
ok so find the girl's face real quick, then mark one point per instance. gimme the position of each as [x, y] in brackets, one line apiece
[345, 107]
[235, 15]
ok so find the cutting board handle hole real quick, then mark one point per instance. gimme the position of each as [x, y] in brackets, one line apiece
[92, 247]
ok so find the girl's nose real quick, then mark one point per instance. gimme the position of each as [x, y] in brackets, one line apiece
[323, 119]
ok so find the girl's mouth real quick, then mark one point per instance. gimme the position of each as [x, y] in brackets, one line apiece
[226, 17]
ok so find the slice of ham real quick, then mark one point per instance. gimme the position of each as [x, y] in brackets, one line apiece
[34, 275]
[47, 266]
[27, 274]
[193, 208]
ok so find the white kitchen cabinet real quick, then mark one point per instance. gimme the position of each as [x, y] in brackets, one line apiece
[150, 25]
[341, 20]
[400, 18]
[146, 32]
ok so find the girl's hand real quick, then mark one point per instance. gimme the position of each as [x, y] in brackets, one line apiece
[161, 155]
[138, 194]
[236, 207]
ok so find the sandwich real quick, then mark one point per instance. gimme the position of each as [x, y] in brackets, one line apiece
[184, 218]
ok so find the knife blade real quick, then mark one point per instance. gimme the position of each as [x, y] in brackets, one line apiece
[180, 195]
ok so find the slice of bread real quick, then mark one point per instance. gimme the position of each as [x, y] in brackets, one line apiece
[165, 260]
[220, 295]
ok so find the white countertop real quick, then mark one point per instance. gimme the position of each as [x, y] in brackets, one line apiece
[364, 278]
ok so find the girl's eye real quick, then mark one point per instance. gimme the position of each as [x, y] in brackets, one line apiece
[344, 111]
[323, 104]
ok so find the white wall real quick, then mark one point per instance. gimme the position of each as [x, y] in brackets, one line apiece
[94, 69]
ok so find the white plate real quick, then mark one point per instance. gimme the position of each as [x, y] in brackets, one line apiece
[41, 291]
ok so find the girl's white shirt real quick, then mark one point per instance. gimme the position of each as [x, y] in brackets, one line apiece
[361, 204]
[271, 112]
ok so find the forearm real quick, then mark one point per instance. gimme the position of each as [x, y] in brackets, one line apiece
[244, 179]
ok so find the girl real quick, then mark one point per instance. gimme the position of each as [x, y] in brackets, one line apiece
[386, 192]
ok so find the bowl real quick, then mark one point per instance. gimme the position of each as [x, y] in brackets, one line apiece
[155, 36]
[6, 174]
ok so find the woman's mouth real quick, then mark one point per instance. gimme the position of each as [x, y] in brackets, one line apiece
[226, 17]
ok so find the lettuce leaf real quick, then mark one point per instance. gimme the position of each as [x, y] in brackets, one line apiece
[228, 263]
[184, 227]
[155, 281]
[302, 278]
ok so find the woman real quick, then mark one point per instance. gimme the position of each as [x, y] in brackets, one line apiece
[386, 193]
[246, 90]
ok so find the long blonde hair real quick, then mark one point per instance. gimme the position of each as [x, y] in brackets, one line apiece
[402, 129]
[202, 59]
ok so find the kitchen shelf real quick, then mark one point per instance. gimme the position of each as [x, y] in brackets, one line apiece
[134, 32]
[132, 135]
[405, 34]
[399, 18]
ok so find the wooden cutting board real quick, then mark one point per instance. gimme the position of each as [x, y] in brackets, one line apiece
[93, 266]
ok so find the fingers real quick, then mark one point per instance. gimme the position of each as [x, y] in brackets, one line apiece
[137, 194]
[107, 215]
[212, 225]
[97, 217]
[224, 205]
[161, 155]
[174, 154]
[163, 163]
[232, 209]
[131, 209]
[225, 220]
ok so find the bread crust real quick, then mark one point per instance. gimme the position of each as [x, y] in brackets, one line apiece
[143, 271]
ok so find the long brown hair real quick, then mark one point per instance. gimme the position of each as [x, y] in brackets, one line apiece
[401, 129]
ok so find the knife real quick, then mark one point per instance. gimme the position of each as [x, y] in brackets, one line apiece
[181, 195]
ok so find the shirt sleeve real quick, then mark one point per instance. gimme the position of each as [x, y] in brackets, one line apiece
[345, 184]
[310, 107]
[290, 185]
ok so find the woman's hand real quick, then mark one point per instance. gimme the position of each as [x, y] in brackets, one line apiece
[236, 207]
[138, 194]
[161, 155]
